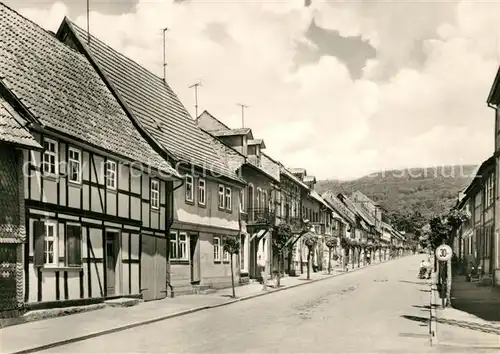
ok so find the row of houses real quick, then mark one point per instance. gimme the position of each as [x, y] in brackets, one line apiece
[477, 241]
[109, 188]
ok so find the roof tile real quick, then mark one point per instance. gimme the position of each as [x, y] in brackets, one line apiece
[11, 130]
[62, 90]
[151, 100]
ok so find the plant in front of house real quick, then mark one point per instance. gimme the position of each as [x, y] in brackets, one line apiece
[310, 240]
[330, 242]
[232, 246]
[281, 239]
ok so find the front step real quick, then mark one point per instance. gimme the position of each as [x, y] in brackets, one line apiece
[203, 290]
[122, 302]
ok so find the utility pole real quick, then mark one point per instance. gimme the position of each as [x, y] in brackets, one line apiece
[195, 86]
[242, 114]
[88, 23]
[164, 30]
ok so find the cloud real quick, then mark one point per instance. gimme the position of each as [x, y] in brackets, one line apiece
[420, 101]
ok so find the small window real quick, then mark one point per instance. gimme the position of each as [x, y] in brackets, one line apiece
[189, 189]
[75, 165]
[111, 175]
[228, 199]
[183, 246]
[173, 245]
[221, 196]
[50, 157]
[50, 247]
[202, 191]
[155, 194]
[217, 249]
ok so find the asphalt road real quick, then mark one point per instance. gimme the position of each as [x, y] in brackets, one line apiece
[380, 309]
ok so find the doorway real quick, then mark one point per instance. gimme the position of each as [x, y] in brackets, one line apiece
[194, 249]
[112, 238]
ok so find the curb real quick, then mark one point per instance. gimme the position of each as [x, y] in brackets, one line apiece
[182, 313]
[433, 313]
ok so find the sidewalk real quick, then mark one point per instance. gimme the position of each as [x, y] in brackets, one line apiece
[455, 327]
[38, 335]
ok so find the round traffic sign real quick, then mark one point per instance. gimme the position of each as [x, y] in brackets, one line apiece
[443, 252]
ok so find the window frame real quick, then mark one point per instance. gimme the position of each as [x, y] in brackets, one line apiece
[72, 161]
[55, 241]
[202, 191]
[156, 205]
[115, 174]
[242, 200]
[189, 197]
[184, 257]
[54, 153]
[228, 198]
[226, 257]
[221, 202]
[217, 245]
[66, 245]
[173, 240]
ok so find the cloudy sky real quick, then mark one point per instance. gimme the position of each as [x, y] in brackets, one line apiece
[341, 88]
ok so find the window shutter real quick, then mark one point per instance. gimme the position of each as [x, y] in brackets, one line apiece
[39, 243]
[74, 245]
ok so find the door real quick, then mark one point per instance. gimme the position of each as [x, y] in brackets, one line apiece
[153, 268]
[194, 249]
[111, 256]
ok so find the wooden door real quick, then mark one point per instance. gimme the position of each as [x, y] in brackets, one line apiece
[147, 268]
[161, 268]
[111, 255]
[194, 248]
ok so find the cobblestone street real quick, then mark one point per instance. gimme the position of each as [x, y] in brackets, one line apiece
[377, 309]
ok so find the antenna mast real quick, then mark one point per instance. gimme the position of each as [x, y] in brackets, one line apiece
[195, 86]
[88, 22]
[242, 114]
[164, 30]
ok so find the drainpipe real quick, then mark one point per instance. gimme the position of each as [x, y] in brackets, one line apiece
[169, 225]
[495, 252]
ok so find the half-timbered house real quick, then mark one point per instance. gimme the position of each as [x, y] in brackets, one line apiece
[207, 205]
[97, 197]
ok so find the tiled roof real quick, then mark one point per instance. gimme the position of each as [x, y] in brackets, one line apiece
[232, 158]
[339, 207]
[318, 198]
[297, 170]
[309, 179]
[270, 166]
[291, 176]
[11, 130]
[229, 132]
[152, 102]
[60, 88]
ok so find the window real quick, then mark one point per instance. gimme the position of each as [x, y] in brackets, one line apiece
[201, 192]
[75, 165]
[189, 189]
[221, 196]
[50, 157]
[183, 246]
[242, 199]
[155, 194]
[179, 249]
[50, 247]
[173, 245]
[228, 199]
[217, 246]
[111, 175]
[242, 252]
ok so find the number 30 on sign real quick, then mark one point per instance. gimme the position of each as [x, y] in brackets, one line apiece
[443, 252]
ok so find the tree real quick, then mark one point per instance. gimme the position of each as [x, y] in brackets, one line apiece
[281, 239]
[330, 242]
[310, 240]
[232, 246]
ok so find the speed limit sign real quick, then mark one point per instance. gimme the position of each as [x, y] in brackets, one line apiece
[443, 252]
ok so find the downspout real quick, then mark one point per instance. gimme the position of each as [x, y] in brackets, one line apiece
[495, 253]
[170, 221]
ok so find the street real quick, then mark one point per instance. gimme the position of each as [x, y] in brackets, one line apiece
[377, 309]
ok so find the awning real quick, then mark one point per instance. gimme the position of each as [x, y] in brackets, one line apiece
[259, 234]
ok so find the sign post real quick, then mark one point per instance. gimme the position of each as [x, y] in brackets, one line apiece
[443, 254]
